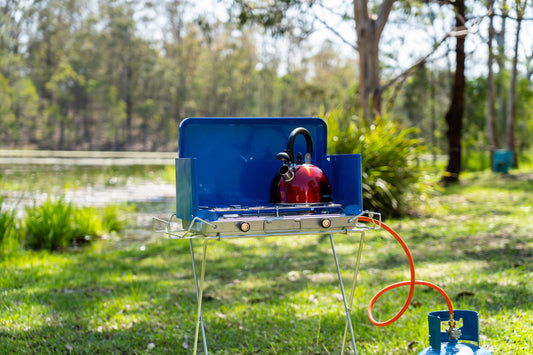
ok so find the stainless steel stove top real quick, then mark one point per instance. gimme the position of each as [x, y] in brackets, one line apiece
[242, 221]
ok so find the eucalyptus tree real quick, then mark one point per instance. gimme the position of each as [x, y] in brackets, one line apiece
[176, 47]
[299, 18]
[121, 63]
[18, 96]
[529, 64]
[49, 67]
[454, 116]
[520, 7]
[502, 11]
[492, 136]
[369, 22]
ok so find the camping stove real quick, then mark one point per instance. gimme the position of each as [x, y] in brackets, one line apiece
[223, 177]
[224, 171]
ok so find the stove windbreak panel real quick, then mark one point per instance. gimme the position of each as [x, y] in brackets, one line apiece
[225, 168]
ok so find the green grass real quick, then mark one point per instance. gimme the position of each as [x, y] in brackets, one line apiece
[281, 295]
[10, 236]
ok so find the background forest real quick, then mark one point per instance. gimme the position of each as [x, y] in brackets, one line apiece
[121, 75]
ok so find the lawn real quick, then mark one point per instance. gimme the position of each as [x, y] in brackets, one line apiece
[129, 295]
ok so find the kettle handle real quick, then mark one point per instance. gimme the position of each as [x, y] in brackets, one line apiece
[292, 138]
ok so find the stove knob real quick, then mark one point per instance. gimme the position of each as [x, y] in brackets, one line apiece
[244, 226]
[326, 223]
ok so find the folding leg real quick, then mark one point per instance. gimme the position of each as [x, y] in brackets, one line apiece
[199, 293]
[348, 304]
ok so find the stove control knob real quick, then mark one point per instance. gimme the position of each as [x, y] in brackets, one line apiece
[244, 226]
[326, 223]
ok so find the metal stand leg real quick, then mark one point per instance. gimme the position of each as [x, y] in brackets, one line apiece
[354, 283]
[347, 305]
[199, 293]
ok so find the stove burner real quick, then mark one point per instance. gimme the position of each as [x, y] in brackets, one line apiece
[285, 210]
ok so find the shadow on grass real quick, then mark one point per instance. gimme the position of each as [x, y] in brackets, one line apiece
[100, 285]
[276, 334]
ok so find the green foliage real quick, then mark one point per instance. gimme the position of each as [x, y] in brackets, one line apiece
[9, 234]
[422, 103]
[49, 226]
[86, 78]
[113, 217]
[87, 224]
[55, 225]
[476, 153]
[391, 176]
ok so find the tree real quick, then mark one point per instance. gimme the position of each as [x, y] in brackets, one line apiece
[369, 27]
[491, 89]
[520, 7]
[369, 22]
[47, 51]
[60, 87]
[454, 116]
[176, 48]
[123, 46]
[501, 59]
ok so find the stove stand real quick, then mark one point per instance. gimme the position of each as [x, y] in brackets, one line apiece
[173, 228]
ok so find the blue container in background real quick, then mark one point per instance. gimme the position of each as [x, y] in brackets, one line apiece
[502, 161]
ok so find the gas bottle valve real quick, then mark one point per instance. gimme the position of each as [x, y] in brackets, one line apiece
[453, 332]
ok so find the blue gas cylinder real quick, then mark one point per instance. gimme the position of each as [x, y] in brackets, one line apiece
[441, 343]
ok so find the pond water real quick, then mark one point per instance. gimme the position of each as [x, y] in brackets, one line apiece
[148, 187]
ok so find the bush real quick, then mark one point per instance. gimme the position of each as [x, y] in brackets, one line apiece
[113, 217]
[9, 235]
[56, 224]
[86, 224]
[391, 177]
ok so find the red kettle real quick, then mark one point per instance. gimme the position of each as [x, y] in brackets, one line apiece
[298, 181]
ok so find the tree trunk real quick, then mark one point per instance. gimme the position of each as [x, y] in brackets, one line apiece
[492, 137]
[369, 98]
[175, 11]
[499, 36]
[369, 28]
[454, 116]
[511, 113]
[126, 79]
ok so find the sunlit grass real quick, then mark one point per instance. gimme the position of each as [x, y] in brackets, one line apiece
[280, 295]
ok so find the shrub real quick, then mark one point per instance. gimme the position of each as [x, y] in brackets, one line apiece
[9, 234]
[56, 224]
[113, 216]
[49, 226]
[86, 224]
[391, 177]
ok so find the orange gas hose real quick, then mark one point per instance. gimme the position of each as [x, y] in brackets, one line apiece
[411, 283]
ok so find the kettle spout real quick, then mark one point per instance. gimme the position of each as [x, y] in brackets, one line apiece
[286, 173]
